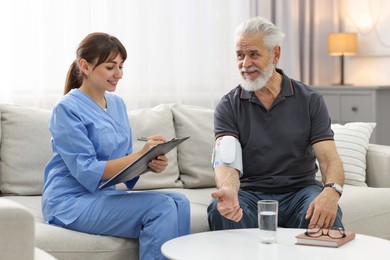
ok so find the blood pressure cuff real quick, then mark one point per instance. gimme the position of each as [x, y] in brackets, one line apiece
[228, 152]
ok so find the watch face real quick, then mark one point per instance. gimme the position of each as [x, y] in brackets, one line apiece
[338, 187]
[335, 186]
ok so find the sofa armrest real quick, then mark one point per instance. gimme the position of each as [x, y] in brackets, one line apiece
[17, 235]
[378, 166]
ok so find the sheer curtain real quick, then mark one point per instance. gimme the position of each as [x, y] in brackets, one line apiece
[178, 50]
[306, 24]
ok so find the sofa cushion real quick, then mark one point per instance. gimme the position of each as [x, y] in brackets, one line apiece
[352, 141]
[16, 231]
[68, 244]
[366, 210]
[194, 155]
[25, 149]
[151, 121]
[378, 165]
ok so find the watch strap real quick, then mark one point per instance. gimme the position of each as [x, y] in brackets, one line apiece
[334, 186]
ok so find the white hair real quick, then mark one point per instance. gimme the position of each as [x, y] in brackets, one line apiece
[272, 34]
[260, 81]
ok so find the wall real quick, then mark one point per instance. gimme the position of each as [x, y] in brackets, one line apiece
[371, 20]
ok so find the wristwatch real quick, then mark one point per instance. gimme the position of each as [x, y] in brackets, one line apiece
[335, 186]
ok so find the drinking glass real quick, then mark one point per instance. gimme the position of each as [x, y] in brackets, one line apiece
[268, 220]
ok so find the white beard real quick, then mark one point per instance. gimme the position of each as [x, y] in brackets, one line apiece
[262, 79]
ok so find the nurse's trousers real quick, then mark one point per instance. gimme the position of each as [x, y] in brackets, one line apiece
[151, 217]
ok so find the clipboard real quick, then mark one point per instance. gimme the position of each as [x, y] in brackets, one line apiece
[140, 165]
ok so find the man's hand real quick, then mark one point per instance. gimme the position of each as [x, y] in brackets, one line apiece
[323, 210]
[228, 205]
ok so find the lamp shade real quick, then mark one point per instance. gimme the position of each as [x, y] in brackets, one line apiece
[342, 44]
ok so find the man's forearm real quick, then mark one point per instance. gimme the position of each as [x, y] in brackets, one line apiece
[227, 177]
[333, 172]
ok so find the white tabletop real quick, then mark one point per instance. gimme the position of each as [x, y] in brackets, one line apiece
[243, 244]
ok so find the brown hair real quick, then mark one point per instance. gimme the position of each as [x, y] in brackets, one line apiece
[95, 47]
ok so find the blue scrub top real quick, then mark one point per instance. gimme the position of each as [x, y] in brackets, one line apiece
[84, 138]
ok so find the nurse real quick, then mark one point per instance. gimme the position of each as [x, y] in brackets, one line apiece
[91, 142]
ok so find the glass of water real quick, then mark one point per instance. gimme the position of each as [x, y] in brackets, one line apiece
[268, 220]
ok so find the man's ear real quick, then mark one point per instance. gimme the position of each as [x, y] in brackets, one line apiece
[84, 66]
[277, 51]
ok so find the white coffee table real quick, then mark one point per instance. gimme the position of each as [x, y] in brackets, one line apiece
[243, 244]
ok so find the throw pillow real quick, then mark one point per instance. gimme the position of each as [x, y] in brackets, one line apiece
[352, 141]
[25, 149]
[155, 121]
[194, 155]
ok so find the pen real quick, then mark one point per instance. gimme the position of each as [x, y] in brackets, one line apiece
[143, 139]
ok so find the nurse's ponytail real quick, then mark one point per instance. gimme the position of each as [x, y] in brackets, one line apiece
[74, 78]
[95, 49]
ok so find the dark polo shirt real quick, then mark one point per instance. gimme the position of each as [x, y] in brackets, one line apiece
[276, 143]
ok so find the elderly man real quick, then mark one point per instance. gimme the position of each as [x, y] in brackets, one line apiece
[269, 131]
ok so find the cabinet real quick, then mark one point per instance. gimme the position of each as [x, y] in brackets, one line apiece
[360, 104]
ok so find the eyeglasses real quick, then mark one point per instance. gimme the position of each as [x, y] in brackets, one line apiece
[317, 231]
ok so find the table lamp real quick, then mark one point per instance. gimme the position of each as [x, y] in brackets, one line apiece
[342, 44]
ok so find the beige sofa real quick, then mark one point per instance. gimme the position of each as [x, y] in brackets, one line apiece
[25, 149]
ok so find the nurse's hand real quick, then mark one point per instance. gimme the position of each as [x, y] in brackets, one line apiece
[159, 164]
[152, 141]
